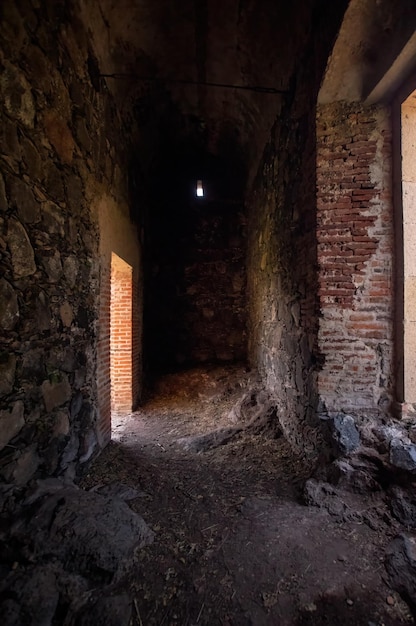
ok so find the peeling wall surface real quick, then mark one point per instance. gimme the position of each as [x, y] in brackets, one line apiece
[355, 246]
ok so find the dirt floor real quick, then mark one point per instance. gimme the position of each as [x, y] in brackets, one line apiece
[234, 543]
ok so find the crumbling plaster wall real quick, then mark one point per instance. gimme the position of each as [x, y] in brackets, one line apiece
[59, 169]
[355, 254]
[360, 249]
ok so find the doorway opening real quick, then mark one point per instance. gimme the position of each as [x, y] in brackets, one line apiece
[121, 335]
[407, 284]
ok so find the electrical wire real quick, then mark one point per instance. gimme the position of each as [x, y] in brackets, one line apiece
[256, 88]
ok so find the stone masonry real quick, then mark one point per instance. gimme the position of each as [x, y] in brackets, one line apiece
[57, 132]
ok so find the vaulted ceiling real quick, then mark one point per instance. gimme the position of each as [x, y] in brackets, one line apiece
[181, 46]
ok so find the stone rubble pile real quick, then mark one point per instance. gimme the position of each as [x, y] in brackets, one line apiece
[66, 554]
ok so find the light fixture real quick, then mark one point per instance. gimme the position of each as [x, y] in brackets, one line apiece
[199, 189]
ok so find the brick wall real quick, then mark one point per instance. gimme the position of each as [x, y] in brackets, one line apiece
[355, 238]
[137, 339]
[121, 337]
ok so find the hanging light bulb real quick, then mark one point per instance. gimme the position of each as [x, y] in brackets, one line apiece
[199, 189]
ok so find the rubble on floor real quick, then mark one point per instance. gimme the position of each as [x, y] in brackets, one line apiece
[65, 553]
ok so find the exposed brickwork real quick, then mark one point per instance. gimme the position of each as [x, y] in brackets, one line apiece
[355, 238]
[121, 332]
[137, 338]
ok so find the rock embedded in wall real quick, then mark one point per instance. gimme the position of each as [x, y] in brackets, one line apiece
[67, 314]
[3, 198]
[23, 256]
[7, 372]
[22, 197]
[70, 269]
[16, 94]
[59, 136]
[51, 261]
[53, 219]
[11, 423]
[56, 392]
[9, 307]
[24, 466]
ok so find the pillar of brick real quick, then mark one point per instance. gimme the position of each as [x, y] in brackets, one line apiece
[355, 249]
[121, 335]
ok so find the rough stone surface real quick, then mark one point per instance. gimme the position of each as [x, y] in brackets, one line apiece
[281, 263]
[3, 197]
[70, 268]
[9, 308]
[53, 266]
[7, 372]
[115, 610]
[23, 257]
[66, 313]
[354, 475]
[403, 454]
[49, 231]
[16, 94]
[11, 423]
[85, 543]
[324, 495]
[342, 504]
[59, 135]
[344, 433]
[56, 393]
[52, 218]
[88, 445]
[400, 564]
[21, 196]
[61, 424]
[25, 466]
[38, 594]
[403, 505]
[90, 531]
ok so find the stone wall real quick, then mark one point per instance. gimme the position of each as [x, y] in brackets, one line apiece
[282, 279]
[197, 311]
[282, 259]
[355, 248]
[58, 161]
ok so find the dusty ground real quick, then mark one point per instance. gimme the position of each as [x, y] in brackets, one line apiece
[234, 544]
